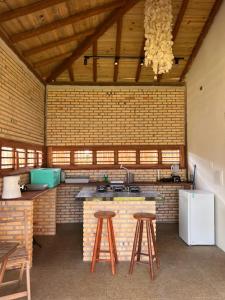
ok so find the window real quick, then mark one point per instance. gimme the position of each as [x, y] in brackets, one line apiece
[21, 157]
[84, 157]
[127, 157]
[7, 158]
[105, 157]
[39, 158]
[101, 157]
[61, 157]
[170, 156]
[18, 155]
[149, 157]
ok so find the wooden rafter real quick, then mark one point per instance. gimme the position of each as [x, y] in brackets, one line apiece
[60, 42]
[65, 21]
[71, 74]
[118, 43]
[95, 51]
[177, 25]
[28, 9]
[139, 66]
[201, 37]
[100, 30]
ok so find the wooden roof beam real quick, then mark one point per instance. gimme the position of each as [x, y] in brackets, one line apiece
[60, 42]
[177, 25]
[201, 37]
[28, 9]
[15, 38]
[100, 30]
[139, 66]
[71, 74]
[95, 51]
[118, 43]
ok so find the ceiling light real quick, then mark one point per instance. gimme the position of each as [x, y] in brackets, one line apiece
[85, 60]
[158, 33]
[116, 62]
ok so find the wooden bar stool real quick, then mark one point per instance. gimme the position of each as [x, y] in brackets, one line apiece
[152, 250]
[108, 215]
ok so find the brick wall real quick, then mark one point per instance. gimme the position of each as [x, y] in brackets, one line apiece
[115, 115]
[22, 100]
[44, 209]
[68, 208]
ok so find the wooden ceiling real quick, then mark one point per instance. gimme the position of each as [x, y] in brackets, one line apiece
[53, 36]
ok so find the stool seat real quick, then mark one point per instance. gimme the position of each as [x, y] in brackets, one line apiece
[104, 214]
[144, 216]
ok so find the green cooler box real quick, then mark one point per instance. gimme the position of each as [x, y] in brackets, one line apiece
[49, 176]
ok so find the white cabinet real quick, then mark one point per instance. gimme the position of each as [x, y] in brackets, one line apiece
[196, 217]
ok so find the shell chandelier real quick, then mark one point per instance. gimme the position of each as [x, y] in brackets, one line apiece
[158, 34]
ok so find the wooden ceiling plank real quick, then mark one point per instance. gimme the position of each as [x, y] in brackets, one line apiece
[50, 60]
[65, 21]
[139, 66]
[28, 9]
[118, 44]
[60, 42]
[71, 74]
[95, 51]
[177, 25]
[100, 30]
[201, 37]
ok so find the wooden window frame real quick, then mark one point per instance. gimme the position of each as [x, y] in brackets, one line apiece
[116, 165]
[16, 169]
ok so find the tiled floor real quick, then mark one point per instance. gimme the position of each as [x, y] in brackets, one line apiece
[186, 272]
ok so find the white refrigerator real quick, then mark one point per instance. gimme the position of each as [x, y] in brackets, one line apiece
[196, 217]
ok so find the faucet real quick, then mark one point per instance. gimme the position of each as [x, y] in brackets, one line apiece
[129, 174]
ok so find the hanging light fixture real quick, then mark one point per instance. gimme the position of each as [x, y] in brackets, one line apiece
[158, 34]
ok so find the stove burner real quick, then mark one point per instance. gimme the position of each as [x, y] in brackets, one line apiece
[134, 189]
[101, 189]
[118, 188]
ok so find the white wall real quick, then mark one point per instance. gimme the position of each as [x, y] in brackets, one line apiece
[206, 118]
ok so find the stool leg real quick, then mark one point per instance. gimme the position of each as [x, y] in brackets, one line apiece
[114, 242]
[150, 249]
[154, 245]
[112, 258]
[94, 256]
[99, 240]
[140, 241]
[134, 247]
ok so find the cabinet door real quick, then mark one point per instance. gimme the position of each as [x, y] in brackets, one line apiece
[202, 219]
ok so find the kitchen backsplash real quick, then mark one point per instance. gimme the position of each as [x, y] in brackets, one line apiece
[139, 174]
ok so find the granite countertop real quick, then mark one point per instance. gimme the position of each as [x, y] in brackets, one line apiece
[89, 194]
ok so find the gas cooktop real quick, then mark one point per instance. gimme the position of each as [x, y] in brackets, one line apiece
[118, 188]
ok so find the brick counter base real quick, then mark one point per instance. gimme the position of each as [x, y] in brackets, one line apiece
[124, 226]
[70, 210]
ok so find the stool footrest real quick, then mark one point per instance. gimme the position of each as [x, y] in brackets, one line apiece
[145, 254]
[104, 251]
[102, 259]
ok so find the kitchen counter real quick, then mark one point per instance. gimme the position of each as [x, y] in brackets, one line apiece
[90, 194]
[27, 196]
